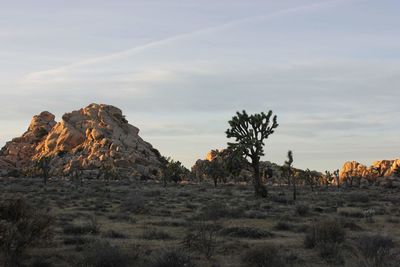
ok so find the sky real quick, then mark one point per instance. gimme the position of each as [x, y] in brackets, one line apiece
[180, 69]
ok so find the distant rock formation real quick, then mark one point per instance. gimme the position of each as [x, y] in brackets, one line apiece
[270, 172]
[84, 140]
[382, 168]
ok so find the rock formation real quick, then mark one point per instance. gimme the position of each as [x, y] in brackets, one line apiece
[85, 140]
[382, 168]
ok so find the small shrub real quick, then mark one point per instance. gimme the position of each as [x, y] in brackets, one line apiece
[375, 250]
[283, 226]
[302, 210]
[325, 231]
[114, 234]
[331, 252]
[350, 212]
[266, 256]
[134, 203]
[218, 210]
[102, 254]
[41, 262]
[155, 234]
[246, 232]
[21, 226]
[172, 258]
[90, 228]
[202, 238]
[358, 197]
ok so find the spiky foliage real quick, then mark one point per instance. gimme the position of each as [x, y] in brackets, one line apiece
[250, 133]
[43, 165]
[337, 178]
[288, 171]
[174, 171]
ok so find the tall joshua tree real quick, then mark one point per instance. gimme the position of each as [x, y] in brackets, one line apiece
[290, 174]
[250, 133]
[43, 164]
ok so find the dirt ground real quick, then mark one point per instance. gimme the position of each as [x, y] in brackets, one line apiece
[220, 226]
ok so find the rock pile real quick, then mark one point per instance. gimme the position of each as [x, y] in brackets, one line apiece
[379, 172]
[86, 140]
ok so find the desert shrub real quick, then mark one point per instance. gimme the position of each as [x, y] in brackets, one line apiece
[331, 252]
[217, 210]
[350, 212]
[76, 240]
[375, 250]
[202, 238]
[172, 258]
[283, 226]
[348, 224]
[151, 233]
[103, 254]
[41, 262]
[21, 226]
[281, 199]
[134, 203]
[114, 234]
[255, 214]
[265, 256]
[358, 197]
[325, 231]
[89, 228]
[302, 209]
[246, 232]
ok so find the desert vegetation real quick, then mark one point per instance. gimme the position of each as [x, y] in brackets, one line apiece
[124, 223]
[153, 211]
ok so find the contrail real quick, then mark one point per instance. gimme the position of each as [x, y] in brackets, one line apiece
[183, 36]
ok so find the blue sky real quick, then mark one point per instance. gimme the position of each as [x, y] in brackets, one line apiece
[330, 71]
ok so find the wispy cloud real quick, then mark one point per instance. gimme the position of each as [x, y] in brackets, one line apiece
[59, 71]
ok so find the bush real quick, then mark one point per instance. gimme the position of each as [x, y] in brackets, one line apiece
[302, 209]
[358, 197]
[375, 250]
[325, 231]
[331, 252]
[202, 238]
[172, 258]
[155, 234]
[266, 256]
[90, 228]
[246, 232]
[350, 212]
[218, 210]
[114, 234]
[21, 226]
[134, 203]
[283, 226]
[102, 254]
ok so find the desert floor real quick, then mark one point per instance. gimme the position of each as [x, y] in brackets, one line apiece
[135, 224]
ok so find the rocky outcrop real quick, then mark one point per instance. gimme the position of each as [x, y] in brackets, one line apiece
[19, 151]
[86, 140]
[382, 168]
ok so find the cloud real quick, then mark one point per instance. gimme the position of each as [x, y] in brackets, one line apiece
[59, 73]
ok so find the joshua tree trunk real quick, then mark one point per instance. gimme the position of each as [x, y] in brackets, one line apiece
[294, 188]
[259, 188]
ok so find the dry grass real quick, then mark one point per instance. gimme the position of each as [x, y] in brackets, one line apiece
[133, 223]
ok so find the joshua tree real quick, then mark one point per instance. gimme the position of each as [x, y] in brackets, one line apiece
[216, 170]
[289, 172]
[174, 171]
[336, 174]
[250, 133]
[43, 164]
[328, 178]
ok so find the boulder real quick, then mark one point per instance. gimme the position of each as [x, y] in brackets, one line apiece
[84, 139]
